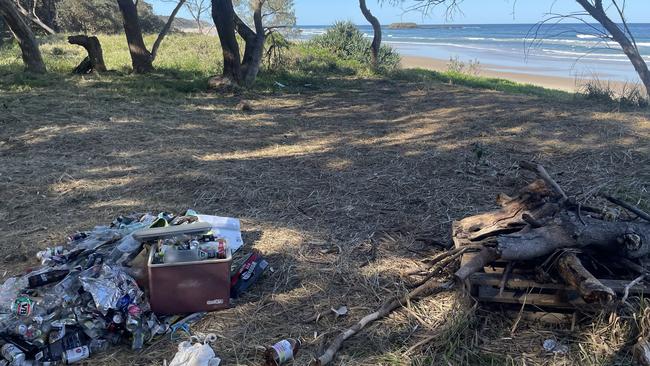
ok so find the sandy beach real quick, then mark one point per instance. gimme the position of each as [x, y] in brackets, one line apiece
[521, 75]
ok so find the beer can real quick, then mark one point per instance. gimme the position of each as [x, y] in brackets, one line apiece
[221, 248]
[23, 306]
[76, 354]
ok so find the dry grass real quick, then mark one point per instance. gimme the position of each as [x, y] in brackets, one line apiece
[343, 188]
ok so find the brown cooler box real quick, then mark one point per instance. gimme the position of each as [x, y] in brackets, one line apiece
[189, 287]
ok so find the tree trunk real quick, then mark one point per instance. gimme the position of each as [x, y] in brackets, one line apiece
[165, 29]
[376, 28]
[630, 50]
[141, 58]
[254, 49]
[31, 54]
[2, 31]
[223, 15]
[95, 59]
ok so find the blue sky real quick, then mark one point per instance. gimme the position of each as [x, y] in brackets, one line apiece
[319, 12]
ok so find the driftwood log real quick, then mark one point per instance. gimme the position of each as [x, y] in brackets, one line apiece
[626, 239]
[541, 220]
[95, 59]
[574, 274]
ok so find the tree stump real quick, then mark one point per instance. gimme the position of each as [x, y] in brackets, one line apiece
[95, 59]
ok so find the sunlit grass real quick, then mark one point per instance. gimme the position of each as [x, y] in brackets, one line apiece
[185, 62]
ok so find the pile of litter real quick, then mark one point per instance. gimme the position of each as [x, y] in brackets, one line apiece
[93, 292]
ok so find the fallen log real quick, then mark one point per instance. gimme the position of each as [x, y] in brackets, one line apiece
[95, 59]
[578, 277]
[626, 239]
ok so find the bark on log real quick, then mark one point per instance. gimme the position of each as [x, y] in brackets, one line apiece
[626, 239]
[530, 200]
[95, 59]
[486, 256]
[576, 275]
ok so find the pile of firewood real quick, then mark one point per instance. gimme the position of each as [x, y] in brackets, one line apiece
[545, 229]
[540, 231]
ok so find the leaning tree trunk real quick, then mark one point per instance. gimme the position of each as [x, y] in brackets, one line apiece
[376, 28]
[165, 29]
[141, 58]
[254, 49]
[95, 59]
[31, 54]
[223, 15]
[631, 51]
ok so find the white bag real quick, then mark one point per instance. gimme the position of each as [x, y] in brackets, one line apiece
[195, 355]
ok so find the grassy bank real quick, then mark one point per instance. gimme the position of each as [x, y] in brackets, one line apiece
[185, 61]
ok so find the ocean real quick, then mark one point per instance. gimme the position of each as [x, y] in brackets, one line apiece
[565, 50]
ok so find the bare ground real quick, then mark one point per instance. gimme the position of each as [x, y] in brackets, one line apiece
[344, 189]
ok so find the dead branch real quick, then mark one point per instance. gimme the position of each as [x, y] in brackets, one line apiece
[635, 282]
[428, 288]
[541, 171]
[441, 265]
[637, 211]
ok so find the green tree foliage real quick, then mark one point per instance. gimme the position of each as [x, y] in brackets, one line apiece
[346, 41]
[102, 16]
[276, 14]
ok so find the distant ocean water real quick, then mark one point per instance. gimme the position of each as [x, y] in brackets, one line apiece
[569, 50]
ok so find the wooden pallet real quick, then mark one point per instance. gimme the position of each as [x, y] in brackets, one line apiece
[522, 296]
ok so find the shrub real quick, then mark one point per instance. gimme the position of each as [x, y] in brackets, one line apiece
[627, 96]
[472, 67]
[102, 16]
[346, 41]
[276, 50]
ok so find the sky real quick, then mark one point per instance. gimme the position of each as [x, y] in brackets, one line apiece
[322, 12]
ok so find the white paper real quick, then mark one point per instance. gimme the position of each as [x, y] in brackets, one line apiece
[226, 227]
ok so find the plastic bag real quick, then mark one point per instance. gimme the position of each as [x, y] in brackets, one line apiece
[195, 355]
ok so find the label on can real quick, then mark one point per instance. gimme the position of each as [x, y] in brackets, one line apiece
[23, 306]
[11, 353]
[284, 351]
[77, 354]
[221, 248]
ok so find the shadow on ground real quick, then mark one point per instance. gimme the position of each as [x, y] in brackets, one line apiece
[345, 188]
